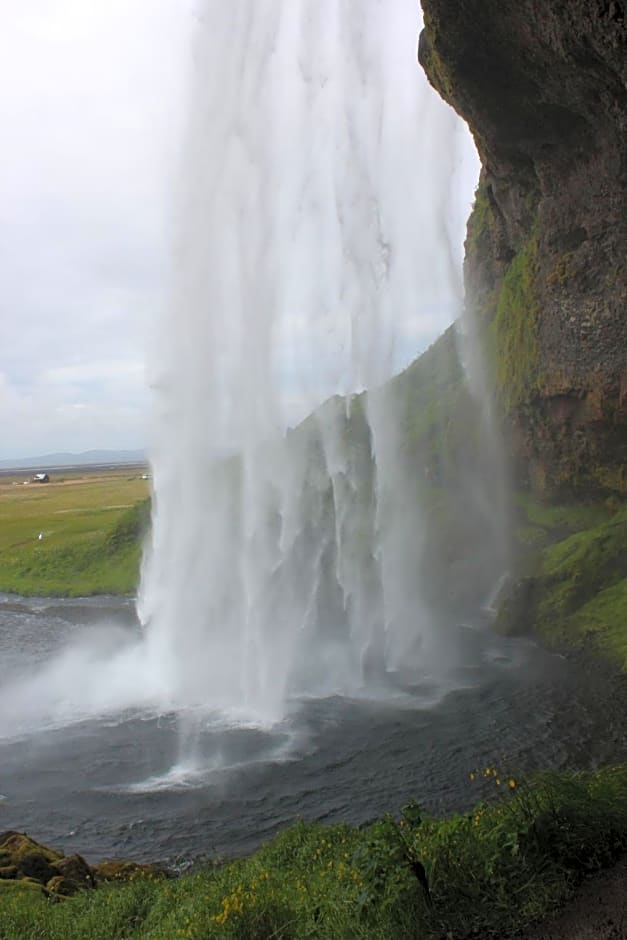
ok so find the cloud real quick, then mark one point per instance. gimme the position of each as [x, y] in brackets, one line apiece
[90, 106]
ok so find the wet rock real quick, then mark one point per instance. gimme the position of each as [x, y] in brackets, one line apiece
[516, 610]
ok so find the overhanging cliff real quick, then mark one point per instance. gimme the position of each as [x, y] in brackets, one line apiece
[542, 85]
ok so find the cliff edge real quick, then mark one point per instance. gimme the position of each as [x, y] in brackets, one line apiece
[543, 87]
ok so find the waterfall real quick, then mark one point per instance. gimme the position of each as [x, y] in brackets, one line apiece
[312, 255]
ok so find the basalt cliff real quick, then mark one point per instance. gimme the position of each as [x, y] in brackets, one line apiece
[542, 85]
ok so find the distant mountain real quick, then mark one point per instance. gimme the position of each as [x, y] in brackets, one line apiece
[87, 458]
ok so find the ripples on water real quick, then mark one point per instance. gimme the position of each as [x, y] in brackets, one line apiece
[146, 782]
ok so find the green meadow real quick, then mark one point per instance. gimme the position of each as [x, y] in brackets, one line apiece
[90, 524]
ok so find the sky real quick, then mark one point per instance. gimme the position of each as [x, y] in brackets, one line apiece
[92, 105]
[90, 110]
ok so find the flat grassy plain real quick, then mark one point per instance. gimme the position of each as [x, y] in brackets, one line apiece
[90, 522]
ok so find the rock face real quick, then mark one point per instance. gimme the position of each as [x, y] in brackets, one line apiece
[542, 84]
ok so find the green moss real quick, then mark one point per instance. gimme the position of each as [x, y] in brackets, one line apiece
[563, 270]
[437, 414]
[515, 329]
[432, 62]
[572, 568]
[565, 518]
[581, 590]
[481, 219]
[611, 478]
[604, 620]
[16, 845]
[589, 555]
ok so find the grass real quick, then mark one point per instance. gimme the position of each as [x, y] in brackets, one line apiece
[564, 518]
[488, 874]
[584, 595]
[574, 593]
[90, 524]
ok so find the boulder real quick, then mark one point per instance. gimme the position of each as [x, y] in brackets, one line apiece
[60, 887]
[75, 872]
[36, 866]
[14, 845]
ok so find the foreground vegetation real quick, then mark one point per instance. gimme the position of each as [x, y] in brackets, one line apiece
[486, 874]
[91, 526]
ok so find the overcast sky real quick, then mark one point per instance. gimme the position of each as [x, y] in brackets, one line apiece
[91, 108]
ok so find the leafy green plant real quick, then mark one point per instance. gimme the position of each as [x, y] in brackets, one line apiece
[388, 861]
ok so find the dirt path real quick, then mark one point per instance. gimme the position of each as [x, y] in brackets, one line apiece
[597, 912]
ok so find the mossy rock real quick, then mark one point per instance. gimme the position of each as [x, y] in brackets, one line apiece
[515, 329]
[23, 858]
[603, 620]
[34, 865]
[15, 846]
[59, 887]
[515, 615]
[127, 871]
[76, 873]
[576, 595]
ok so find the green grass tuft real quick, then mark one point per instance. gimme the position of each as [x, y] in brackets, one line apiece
[575, 591]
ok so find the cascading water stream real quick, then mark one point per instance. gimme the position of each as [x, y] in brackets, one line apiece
[312, 250]
[311, 642]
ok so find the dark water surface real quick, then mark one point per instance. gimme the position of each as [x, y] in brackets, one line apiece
[130, 784]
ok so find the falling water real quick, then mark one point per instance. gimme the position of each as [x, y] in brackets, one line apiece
[312, 257]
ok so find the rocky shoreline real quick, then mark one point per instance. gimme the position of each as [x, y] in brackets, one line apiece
[28, 865]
